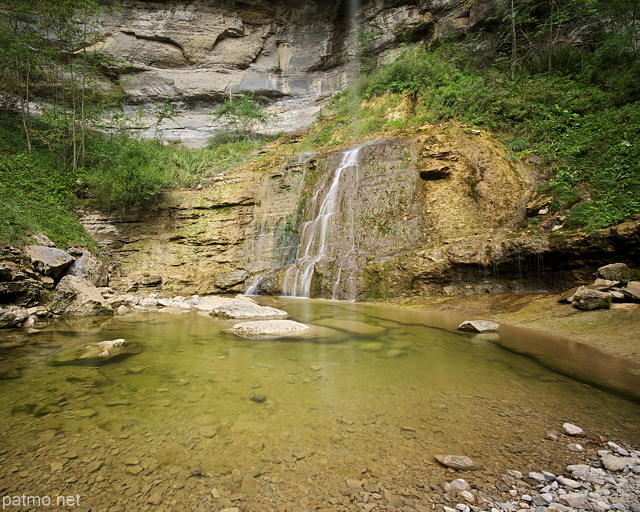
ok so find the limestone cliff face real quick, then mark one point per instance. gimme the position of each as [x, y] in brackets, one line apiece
[295, 55]
[407, 210]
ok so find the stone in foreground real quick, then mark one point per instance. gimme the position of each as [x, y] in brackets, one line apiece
[478, 326]
[459, 462]
[269, 329]
[590, 300]
[572, 430]
[95, 353]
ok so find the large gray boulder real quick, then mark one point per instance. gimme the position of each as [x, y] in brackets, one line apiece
[590, 300]
[90, 268]
[615, 272]
[75, 296]
[49, 261]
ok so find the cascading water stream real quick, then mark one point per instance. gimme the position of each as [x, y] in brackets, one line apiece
[314, 234]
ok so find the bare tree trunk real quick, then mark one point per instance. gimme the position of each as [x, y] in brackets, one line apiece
[513, 41]
[551, 38]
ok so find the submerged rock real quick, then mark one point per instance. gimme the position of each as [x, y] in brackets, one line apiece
[95, 353]
[459, 462]
[352, 326]
[8, 371]
[478, 326]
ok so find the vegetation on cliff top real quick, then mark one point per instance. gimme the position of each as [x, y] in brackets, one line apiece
[558, 82]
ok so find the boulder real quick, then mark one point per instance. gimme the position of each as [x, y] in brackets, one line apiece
[266, 329]
[632, 290]
[478, 326]
[243, 307]
[614, 272]
[11, 316]
[90, 268]
[49, 261]
[590, 300]
[75, 296]
[95, 353]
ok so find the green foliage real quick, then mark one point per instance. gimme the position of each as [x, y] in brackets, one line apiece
[127, 172]
[191, 167]
[37, 198]
[583, 129]
[243, 114]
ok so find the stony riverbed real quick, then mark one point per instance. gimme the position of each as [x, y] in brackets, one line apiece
[203, 421]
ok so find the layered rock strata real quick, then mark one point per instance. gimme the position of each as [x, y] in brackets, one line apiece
[294, 56]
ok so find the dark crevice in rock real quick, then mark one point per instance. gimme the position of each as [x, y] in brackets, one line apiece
[436, 174]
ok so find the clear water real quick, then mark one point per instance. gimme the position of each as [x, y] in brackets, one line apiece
[177, 419]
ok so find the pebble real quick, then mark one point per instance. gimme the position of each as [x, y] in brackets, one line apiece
[573, 430]
[258, 398]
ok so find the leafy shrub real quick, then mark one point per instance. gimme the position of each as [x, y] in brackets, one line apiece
[129, 172]
[37, 197]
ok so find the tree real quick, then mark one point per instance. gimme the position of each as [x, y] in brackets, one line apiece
[45, 47]
[243, 114]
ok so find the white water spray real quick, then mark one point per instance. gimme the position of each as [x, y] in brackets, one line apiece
[314, 235]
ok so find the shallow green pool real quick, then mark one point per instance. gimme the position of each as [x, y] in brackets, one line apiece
[178, 419]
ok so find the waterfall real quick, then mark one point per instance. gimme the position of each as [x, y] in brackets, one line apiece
[314, 233]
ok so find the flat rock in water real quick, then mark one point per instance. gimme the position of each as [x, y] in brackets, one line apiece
[459, 462]
[265, 329]
[478, 326]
